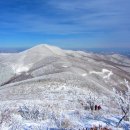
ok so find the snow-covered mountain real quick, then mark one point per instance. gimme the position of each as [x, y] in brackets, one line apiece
[57, 79]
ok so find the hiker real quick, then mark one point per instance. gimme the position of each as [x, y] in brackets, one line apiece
[99, 107]
[96, 107]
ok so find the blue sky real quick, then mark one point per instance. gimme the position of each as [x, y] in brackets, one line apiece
[65, 23]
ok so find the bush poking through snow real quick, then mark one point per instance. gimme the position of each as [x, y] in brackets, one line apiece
[31, 113]
[5, 116]
[93, 102]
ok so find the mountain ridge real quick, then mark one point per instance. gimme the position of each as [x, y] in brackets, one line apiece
[59, 81]
[45, 57]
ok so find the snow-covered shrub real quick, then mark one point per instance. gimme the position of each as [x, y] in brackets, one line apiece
[92, 100]
[60, 120]
[31, 113]
[5, 116]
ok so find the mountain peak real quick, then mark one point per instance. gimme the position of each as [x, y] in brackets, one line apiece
[45, 48]
[39, 52]
[42, 45]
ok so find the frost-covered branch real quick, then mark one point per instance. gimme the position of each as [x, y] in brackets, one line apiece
[123, 101]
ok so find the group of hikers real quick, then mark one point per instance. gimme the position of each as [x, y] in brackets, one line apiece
[97, 107]
[91, 106]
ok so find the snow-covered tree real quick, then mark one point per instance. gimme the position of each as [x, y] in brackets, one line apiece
[91, 100]
[5, 116]
[60, 120]
[32, 113]
[123, 102]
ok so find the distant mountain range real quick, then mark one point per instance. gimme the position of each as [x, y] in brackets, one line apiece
[122, 51]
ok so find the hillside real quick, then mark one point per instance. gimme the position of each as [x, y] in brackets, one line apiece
[56, 81]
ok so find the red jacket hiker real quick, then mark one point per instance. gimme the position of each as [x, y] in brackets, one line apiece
[99, 107]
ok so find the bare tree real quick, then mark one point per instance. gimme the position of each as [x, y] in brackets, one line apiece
[92, 100]
[123, 102]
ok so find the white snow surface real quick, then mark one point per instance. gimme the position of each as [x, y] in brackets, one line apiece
[84, 74]
[54, 87]
[64, 66]
[19, 68]
[106, 74]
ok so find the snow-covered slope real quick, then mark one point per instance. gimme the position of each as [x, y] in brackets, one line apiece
[57, 80]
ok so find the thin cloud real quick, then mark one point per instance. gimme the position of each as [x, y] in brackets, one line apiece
[65, 17]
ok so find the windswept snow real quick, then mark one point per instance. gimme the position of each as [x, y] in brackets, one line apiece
[19, 68]
[64, 66]
[55, 50]
[106, 74]
[84, 74]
